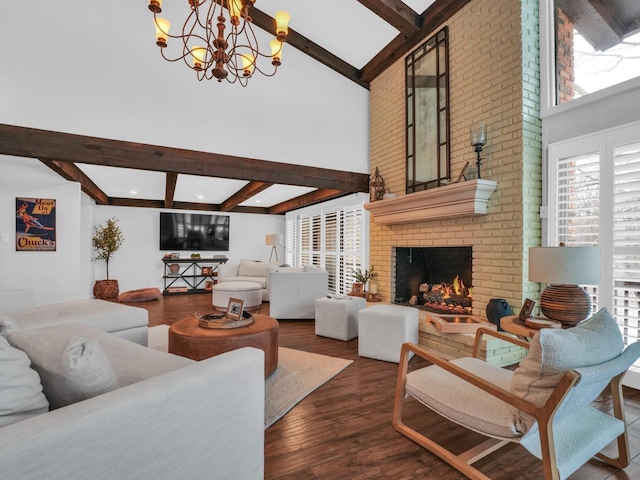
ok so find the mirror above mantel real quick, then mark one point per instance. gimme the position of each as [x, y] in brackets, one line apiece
[460, 199]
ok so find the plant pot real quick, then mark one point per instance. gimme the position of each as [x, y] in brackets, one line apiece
[106, 289]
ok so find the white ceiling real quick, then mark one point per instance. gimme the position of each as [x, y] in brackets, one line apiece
[344, 27]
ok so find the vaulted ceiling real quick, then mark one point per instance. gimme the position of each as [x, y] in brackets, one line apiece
[380, 32]
[356, 39]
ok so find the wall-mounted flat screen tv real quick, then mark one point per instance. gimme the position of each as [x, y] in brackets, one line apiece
[193, 231]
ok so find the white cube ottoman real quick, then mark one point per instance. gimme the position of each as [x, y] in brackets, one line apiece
[250, 292]
[382, 330]
[338, 317]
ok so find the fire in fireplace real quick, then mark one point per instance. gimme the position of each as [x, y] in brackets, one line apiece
[437, 279]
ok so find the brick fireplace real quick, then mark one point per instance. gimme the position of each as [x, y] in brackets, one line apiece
[437, 279]
[491, 81]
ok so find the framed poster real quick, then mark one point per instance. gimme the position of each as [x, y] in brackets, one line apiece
[35, 224]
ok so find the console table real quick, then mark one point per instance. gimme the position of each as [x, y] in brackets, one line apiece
[193, 273]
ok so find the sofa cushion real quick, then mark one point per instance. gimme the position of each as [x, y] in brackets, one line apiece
[71, 368]
[21, 394]
[554, 351]
[104, 315]
[252, 268]
[312, 268]
[262, 281]
[132, 362]
[7, 325]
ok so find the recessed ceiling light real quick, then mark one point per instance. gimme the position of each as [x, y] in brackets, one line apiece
[258, 201]
[201, 197]
[133, 192]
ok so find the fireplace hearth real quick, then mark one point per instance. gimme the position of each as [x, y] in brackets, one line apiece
[435, 279]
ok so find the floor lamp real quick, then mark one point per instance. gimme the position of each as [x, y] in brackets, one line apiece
[564, 269]
[274, 240]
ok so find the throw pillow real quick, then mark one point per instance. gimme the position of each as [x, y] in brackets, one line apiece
[254, 268]
[554, 351]
[7, 325]
[311, 268]
[71, 368]
[21, 394]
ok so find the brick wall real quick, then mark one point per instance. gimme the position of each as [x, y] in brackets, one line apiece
[564, 62]
[494, 77]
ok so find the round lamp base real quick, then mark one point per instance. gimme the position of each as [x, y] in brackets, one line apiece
[568, 304]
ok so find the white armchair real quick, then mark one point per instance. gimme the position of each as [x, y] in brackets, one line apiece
[247, 271]
[544, 405]
[294, 290]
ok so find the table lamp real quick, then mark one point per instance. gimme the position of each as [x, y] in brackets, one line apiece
[273, 240]
[564, 269]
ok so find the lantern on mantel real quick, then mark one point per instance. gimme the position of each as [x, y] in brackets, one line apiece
[376, 187]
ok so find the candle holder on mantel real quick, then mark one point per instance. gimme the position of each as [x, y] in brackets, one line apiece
[477, 138]
[376, 187]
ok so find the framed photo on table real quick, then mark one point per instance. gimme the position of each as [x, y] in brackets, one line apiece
[234, 309]
[527, 309]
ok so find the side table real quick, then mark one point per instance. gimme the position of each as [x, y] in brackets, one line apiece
[514, 324]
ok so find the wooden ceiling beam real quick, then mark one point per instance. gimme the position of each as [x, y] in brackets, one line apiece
[67, 147]
[595, 21]
[69, 171]
[249, 190]
[434, 16]
[170, 189]
[397, 14]
[206, 207]
[305, 200]
[315, 51]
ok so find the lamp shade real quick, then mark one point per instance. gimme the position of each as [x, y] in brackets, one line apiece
[273, 239]
[565, 265]
[564, 269]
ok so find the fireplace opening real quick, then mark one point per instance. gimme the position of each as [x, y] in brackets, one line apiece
[436, 279]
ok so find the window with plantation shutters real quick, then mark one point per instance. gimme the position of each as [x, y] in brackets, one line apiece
[594, 199]
[291, 241]
[626, 237]
[333, 239]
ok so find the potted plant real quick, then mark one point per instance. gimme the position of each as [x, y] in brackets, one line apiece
[364, 277]
[106, 241]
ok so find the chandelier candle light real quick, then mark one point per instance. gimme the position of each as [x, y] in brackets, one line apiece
[206, 48]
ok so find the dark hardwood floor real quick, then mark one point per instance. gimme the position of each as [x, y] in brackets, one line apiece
[343, 429]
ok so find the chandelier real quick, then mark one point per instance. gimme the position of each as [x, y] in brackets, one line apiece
[205, 48]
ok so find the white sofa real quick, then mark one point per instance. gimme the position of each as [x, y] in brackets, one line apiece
[168, 417]
[123, 321]
[294, 290]
[247, 271]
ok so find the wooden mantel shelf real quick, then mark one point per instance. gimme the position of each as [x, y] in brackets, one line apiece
[455, 200]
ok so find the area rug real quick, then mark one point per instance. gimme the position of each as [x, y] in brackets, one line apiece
[298, 374]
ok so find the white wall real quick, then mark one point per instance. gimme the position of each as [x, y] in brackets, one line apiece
[69, 272]
[55, 276]
[138, 264]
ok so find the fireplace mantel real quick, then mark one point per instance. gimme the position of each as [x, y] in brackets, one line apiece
[461, 199]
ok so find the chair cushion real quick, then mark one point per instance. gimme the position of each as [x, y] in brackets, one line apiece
[252, 268]
[71, 368]
[553, 352]
[7, 325]
[21, 391]
[462, 402]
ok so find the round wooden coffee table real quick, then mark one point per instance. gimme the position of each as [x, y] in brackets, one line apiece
[188, 339]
